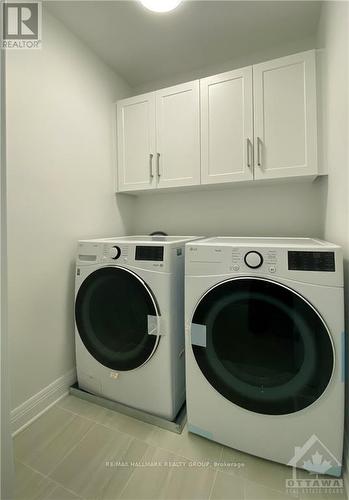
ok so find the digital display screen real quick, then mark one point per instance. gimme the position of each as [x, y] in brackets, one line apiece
[311, 261]
[150, 253]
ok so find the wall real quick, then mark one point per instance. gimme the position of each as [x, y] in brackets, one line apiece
[60, 174]
[253, 58]
[333, 43]
[282, 209]
[289, 209]
[6, 451]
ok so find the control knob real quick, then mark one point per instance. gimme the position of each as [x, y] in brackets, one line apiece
[253, 260]
[114, 253]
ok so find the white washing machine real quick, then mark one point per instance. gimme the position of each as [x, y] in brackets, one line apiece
[129, 313]
[265, 346]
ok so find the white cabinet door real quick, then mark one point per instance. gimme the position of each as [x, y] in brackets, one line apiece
[136, 143]
[285, 117]
[178, 135]
[227, 127]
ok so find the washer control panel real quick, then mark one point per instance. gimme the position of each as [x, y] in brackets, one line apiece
[255, 260]
[115, 253]
[145, 256]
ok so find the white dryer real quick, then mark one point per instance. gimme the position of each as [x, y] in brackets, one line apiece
[129, 313]
[265, 346]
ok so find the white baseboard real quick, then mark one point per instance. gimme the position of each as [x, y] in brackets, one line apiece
[31, 409]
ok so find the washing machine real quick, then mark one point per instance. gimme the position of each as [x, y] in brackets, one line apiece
[129, 315]
[265, 347]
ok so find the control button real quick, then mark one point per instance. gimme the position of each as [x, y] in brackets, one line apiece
[114, 253]
[253, 260]
[236, 267]
[272, 269]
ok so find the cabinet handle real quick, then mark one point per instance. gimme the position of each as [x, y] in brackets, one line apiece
[151, 165]
[158, 164]
[259, 151]
[248, 147]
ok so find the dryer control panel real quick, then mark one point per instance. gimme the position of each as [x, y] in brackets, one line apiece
[322, 265]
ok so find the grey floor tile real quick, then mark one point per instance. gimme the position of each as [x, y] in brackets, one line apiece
[234, 462]
[85, 469]
[189, 482]
[187, 445]
[255, 469]
[28, 443]
[257, 491]
[149, 480]
[122, 468]
[44, 452]
[227, 487]
[109, 418]
[60, 493]
[82, 408]
[136, 428]
[30, 485]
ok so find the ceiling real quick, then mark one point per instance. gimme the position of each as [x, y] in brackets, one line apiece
[143, 46]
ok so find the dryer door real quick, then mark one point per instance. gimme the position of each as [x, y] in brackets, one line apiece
[262, 346]
[117, 318]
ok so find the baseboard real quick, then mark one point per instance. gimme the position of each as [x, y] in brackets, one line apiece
[31, 409]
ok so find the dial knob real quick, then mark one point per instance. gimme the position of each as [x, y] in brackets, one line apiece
[253, 260]
[114, 253]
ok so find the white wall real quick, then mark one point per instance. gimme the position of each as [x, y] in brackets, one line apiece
[238, 62]
[287, 209]
[282, 209]
[60, 178]
[334, 58]
[6, 451]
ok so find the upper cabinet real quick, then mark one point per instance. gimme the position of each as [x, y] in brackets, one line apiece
[159, 139]
[257, 122]
[285, 117]
[136, 142]
[178, 135]
[227, 127]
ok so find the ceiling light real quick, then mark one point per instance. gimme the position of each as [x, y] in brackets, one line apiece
[160, 5]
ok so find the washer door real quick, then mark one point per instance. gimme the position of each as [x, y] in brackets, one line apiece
[116, 317]
[262, 346]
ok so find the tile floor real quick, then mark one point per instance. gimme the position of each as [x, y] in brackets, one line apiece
[78, 450]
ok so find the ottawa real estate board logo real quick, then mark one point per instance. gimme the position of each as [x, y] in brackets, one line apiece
[323, 466]
[21, 25]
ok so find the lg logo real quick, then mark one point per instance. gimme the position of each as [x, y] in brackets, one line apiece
[21, 23]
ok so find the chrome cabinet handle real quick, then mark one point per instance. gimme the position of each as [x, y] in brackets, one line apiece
[248, 148]
[151, 165]
[158, 164]
[259, 151]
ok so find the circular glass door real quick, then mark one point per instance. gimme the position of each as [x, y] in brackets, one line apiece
[265, 348]
[112, 311]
